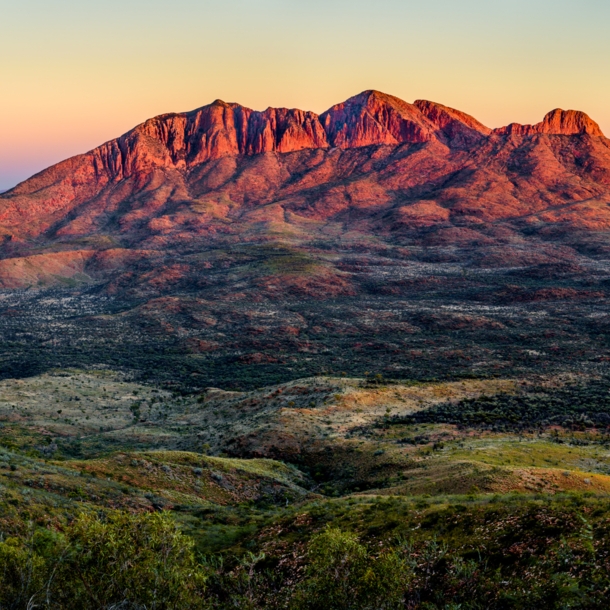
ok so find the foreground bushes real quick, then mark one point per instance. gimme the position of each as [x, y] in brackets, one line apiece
[142, 562]
[342, 574]
[121, 561]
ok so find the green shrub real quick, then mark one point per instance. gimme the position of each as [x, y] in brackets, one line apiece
[342, 574]
[134, 560]
[119, 561]
[23, 573]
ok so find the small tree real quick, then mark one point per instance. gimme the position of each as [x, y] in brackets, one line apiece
[129, 561]
[343, 575]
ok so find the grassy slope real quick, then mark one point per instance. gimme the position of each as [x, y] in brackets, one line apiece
[339, 432]
[263, 471]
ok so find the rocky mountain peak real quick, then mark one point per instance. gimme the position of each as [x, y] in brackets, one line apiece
[372, 117]
[556, 122]
[569, 122]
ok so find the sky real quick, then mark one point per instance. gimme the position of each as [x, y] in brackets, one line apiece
[76, 73]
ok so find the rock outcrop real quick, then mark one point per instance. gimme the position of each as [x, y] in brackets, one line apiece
[375, 118]
[557, 122]
[373, 165]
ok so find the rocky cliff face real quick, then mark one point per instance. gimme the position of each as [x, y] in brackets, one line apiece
[182, 141]
[418, 175]
[556, 122]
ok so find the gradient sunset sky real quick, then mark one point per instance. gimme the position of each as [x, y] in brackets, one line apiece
[74, 74]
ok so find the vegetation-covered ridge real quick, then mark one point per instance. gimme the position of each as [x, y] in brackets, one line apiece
[575, 405]
[325, 492]
[496, 553]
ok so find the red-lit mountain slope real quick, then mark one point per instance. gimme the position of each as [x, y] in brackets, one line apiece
[373, 172]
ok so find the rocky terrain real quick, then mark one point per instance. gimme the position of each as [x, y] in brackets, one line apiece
[384, 327]
[235, 248]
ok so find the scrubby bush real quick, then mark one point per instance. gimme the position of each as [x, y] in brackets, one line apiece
[139, 560]
[343, 574]
[23, 573]
[119, 561]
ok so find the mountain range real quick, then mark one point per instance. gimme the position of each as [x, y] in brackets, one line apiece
[194, 220]
[373, 167]
[356, 359]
